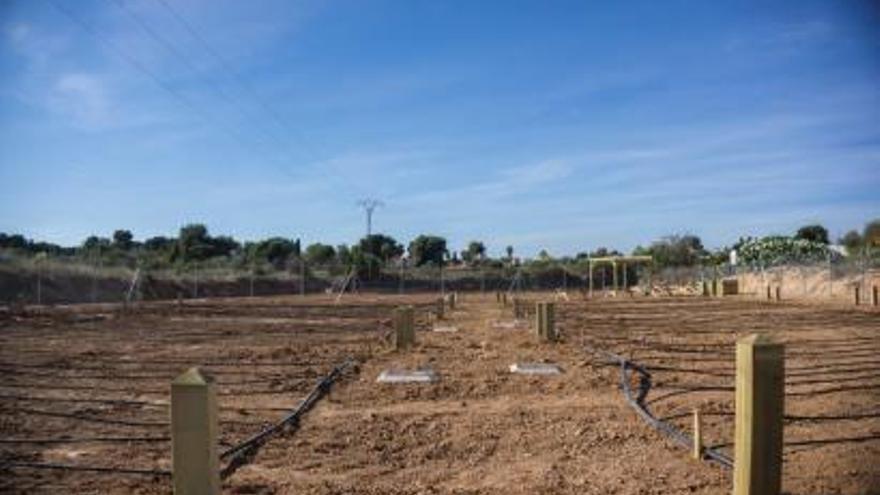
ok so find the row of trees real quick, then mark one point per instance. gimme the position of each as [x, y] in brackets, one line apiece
[194, 244]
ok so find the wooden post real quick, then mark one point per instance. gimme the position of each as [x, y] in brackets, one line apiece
[614, 275]
[625, 277]
[856, 295]
[302, 277]
[778, 292]
[705, 289]
[698, 436]
[404, 333]
[550, 321]
[439, 312]
[539, 320]
[194, 430]
[545, 321]
[504, 299]
[769, 293]
[874, 298]
[760, 402]
[590, 263]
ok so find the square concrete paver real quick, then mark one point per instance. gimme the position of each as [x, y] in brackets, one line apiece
[535, 369]
[408, 376]
[508, 324]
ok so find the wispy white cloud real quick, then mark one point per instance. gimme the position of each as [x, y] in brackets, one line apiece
[780, 38]
[18, 32]
[84, 99]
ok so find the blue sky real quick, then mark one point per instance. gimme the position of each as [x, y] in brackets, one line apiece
[557, 125]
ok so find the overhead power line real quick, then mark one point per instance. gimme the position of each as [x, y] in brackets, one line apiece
[236, 75]
[247, 89]
[171, 47]
[141, 67]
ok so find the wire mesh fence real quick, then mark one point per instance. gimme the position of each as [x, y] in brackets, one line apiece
[48, 280]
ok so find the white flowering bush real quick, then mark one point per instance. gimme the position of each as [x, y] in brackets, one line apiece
[776, 250]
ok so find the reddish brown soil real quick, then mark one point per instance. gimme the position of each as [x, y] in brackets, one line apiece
[479, 430]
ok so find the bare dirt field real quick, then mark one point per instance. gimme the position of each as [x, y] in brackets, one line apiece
[88, 386]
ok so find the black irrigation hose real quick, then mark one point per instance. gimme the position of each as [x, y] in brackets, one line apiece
[638, 403]
[242, 453]
[92, 469]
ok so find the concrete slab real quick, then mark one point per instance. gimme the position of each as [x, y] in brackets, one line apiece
[535, 369]
[408, 376]
[446, 329]
[508, 324]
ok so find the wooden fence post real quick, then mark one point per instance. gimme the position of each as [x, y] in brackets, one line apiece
[760, 402]
[195, 461]
[856, 295]
[545, 321]
[778, 293]
[874, 298]
[439, 312]
[769, 293]
[404, 333]
[698, 436]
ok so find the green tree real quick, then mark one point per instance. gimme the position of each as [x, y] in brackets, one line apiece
[677, 250]
[853, 242]
[474, 253]
[509, 251]
[123, 239]
[13, 241]
[343, 254]
[276, 250]
[318, 253]
[871, 237]
[158, 244]
[195, 244]
[603, 252]
[192, 243]
[426, 249]
[223, 245]
[94, 243]
[813, 233]
[380, 246]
